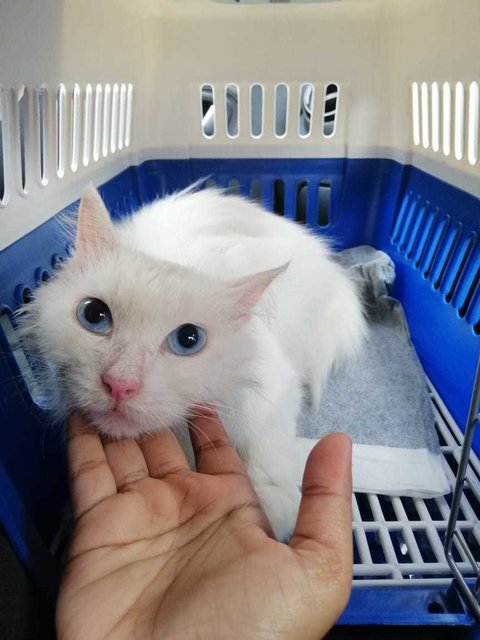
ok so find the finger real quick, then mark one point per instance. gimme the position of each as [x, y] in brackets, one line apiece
[91, 479]
[325, 515]
[163, 454]
[127, 462]
[214, 453]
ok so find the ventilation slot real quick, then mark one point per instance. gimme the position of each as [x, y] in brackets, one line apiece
[22, 106]
[281, 110]
[278, 197]
[57, 260]
[23, 294]
[41, 275]
[435, 103]
[256, 191]
[431, 240]
[233, 187]
[425, 114]
[447, 118]
[97, 122]
[425, 237]
[415, 114]
[437, 241]
[415, 233]
[19, 356]
[87, 125]
[324, 197]
[106, 119]
[61, 100]
[114, 120]
[256, 110]
[128, 116]
[473, 100]
[408, 221]
[451, 240]
[75, 128]
[398, 225]
[306, 110]
[473, 289]
[42, 106]
[459, 118]
[330, 110]
[208, 110]
[231, 110]
[302, 202]
[121, 116]
[2, 148]
[460, 266]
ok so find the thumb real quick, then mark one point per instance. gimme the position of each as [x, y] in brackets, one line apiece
[324, 522]
[322, 538]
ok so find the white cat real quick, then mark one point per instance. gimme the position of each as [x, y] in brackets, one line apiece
[198, 298]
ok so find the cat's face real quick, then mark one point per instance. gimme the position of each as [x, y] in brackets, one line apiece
[137, 342]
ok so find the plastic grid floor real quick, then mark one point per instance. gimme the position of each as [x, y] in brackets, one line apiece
[399, 541]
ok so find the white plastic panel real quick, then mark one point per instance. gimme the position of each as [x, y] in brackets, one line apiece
[364, 47]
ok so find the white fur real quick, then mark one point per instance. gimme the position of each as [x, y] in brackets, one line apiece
[179, 260]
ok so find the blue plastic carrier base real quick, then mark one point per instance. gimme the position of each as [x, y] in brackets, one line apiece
[428, 227]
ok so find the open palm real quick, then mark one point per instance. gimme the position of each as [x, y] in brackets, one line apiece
[160, 551]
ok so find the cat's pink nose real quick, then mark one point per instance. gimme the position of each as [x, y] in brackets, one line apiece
[120, 388]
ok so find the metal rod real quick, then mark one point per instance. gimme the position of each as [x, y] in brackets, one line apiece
[472, 420]
[463, 465]
[466, 550]
[469, 597]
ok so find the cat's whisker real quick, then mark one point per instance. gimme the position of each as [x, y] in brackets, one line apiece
[196, 428]
[266, 440]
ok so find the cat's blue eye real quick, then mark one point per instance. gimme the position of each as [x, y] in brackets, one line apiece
[94, 315]
[187, 339]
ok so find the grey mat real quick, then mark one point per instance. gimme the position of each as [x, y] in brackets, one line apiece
[381, 400]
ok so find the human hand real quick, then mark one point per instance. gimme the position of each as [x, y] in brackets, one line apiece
[160, 551]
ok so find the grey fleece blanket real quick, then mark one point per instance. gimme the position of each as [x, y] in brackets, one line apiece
[381, 400]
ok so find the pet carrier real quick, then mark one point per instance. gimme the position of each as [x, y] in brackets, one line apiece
[359, 118]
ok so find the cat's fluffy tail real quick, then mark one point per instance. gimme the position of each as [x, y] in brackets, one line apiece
[339, 336]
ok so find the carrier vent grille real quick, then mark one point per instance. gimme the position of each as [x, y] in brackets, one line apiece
[446, 254]
[258, 110]
[48, 132]
[307, 201]
[445, 118]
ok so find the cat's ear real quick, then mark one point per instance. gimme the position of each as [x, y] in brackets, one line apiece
[95, 232]
[246, 292]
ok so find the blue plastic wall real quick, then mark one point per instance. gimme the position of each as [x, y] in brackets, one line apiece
[428, 227]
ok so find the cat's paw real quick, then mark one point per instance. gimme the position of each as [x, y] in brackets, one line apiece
[280, 504]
